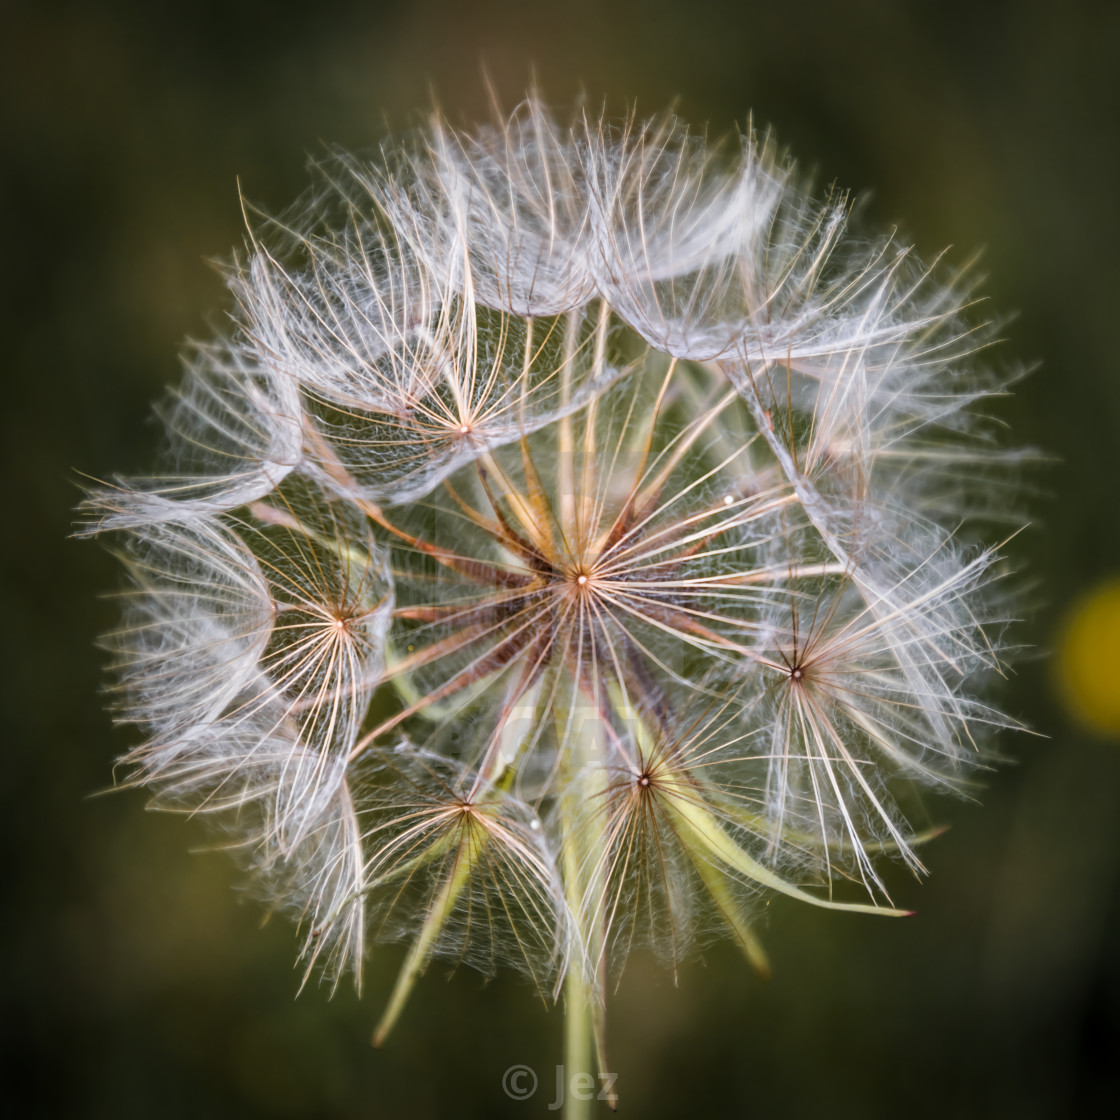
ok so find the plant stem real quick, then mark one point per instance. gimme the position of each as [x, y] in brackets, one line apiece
[577, 1048]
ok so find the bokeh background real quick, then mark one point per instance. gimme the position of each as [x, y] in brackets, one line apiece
[137, 982]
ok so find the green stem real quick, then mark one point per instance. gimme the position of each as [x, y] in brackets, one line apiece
[583, 848]
[577, 1047]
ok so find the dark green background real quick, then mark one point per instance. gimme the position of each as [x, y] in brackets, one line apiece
[137, 982]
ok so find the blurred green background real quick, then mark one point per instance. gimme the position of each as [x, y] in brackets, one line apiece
[137, 982]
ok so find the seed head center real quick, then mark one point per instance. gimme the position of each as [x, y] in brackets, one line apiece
[580, 582]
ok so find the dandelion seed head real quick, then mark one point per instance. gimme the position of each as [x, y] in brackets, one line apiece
[577, 537]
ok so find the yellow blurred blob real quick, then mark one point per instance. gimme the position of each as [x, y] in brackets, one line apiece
[1088, 662]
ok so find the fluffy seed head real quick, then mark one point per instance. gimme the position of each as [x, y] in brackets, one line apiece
[578, 534]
